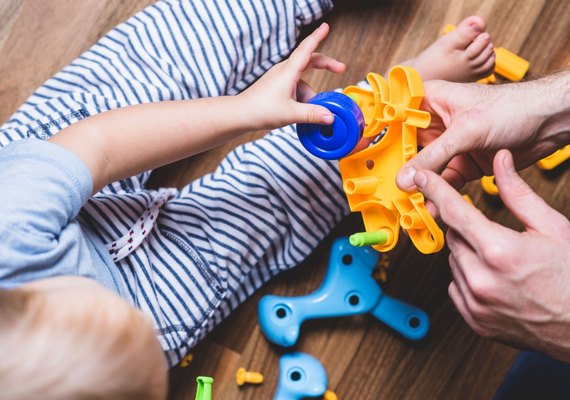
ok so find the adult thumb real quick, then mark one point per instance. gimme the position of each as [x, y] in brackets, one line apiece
[435, 156]
[520, 199]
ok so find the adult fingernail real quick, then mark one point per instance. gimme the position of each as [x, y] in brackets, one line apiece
[328, 119]
[420, 179]
[508, 162]
[406, 177]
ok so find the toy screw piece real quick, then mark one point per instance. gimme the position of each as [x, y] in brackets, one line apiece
[186, 360]
[330, 395]
[204, 390]
[243, 376]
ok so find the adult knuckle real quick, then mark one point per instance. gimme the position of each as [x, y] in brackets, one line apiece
[484, 290]
[495, 254]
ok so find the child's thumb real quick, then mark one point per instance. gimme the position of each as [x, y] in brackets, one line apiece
[313, 114]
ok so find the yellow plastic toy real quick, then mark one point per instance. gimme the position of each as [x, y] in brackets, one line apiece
[243, 377]
[489, 186]
[369, 176]
[330, 395]
[507, 63]
[380, 272]
[555, 159]
[186, 360]
[468, 199]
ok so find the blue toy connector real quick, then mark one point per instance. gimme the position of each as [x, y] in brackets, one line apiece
[300, 376]
[348, 289]
[339, 139]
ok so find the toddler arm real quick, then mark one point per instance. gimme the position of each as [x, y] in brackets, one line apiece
[152, 135]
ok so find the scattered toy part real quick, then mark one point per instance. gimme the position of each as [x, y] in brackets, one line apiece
[330, 395]
[347, 289]
[204, 389]
[489, 185]
[555, 159]
[186, 360]
[243, 377]
[300, 376]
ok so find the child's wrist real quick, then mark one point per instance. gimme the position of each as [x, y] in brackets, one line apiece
[249, 112]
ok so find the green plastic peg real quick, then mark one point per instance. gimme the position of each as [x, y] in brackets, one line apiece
[369, 238]
[204, 390]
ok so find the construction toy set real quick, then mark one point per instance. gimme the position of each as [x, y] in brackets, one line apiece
[388, 114]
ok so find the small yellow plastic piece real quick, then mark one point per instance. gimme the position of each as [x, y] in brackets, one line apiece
[380, 272]
[369, 176]
[489, 186]
[186, 360]
[490, 79]
[555, 159]
[330, 395]
[468, 199]
[243, 377]
[447, 28]
[507, 63]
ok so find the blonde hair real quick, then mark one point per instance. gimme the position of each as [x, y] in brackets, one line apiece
[84, 351]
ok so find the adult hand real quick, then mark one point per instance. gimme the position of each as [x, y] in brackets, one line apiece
[279, 95]
[471, 122]
[508, 285]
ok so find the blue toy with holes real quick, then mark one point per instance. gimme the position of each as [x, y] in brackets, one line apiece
[300, 376]
[348, 289]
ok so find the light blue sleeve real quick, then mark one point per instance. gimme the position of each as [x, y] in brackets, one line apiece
[42, 189]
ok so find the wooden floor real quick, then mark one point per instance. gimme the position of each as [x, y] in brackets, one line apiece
[364, 359]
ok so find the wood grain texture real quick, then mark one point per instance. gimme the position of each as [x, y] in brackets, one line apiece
[364, 359]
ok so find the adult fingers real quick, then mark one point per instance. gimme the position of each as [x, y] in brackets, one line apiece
[435, 156]
[523, 202]
[475, 279]
[461, 306]
[456, 212]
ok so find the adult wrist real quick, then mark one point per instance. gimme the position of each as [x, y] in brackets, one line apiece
[552, 106]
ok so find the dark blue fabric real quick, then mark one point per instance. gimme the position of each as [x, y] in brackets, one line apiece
[536, 376]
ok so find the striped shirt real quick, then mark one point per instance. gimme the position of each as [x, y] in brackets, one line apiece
[189, 257]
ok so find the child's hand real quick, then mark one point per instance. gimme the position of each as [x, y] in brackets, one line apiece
[276, 97]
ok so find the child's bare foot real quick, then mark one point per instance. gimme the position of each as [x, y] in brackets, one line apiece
[463, 55]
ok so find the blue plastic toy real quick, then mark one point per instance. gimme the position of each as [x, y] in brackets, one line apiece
[300, 376]
[348, 289]
[336, 141]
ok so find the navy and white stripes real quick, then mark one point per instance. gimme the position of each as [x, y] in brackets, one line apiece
[221, 237]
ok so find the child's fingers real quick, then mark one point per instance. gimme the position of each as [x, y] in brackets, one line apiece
[321, 61]
[301, 57]
[304, 91]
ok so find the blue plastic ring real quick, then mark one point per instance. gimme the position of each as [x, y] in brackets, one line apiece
[335, 141]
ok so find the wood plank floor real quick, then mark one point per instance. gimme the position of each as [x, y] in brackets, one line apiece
[364, 359]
